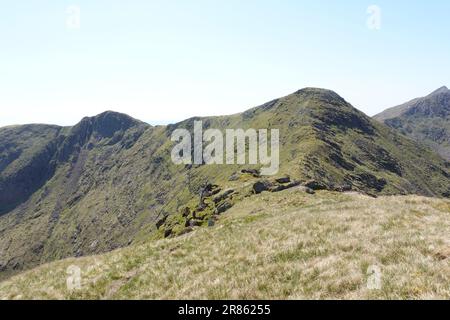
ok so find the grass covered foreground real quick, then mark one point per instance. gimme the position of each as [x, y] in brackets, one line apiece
[286, 245]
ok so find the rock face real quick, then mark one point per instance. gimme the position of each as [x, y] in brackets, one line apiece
[110, 180]
[223, 207]
[314, 185]
[26, 162]
[424, 119]
[47, 172]
[262, 186]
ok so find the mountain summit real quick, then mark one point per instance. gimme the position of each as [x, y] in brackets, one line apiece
[109, 180]
[424, 119]
[108, 123]
[442, 89]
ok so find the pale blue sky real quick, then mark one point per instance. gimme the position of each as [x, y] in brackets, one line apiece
[168, 60]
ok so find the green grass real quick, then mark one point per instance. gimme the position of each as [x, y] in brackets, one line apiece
[297, 246]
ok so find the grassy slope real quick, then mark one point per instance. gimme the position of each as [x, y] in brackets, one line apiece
[272, 246]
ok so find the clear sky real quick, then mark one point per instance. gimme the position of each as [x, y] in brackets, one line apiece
[163, 61]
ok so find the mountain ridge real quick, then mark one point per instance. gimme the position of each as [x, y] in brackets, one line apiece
[425, 119]
[111, 181]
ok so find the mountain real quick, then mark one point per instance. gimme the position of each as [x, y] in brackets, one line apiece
[424, 119]
[109, 181]
[285, 245]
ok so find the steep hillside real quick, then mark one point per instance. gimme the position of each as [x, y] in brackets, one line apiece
[109, 181]
[424, 119]
[25, 162]
[286, 245]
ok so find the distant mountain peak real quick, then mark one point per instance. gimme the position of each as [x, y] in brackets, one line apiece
[113, 115]
[442, 89]
[424, 119]
[109, 122]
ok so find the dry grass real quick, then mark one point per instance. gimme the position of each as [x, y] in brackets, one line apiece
[288, 245]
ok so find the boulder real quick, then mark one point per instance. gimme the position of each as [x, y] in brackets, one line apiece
[223, 196]
[282, 187]
[315, 185]
[161, 221]
[223, 207]
[209, 190]
[167, 233]
[283, 180]
[261, 186]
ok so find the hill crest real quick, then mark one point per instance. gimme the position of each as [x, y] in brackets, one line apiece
[109, 180]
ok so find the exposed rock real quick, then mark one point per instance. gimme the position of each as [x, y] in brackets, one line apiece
[210, 190]
[201, 206]
[343, 188]
[185, 212]
[315, 185]
[283, 180]
[223, 196]
[161, 221]
[369, 180]
[424, 119]
[223, 207]
[261, 186]
[253, 172]
[195, 223]
[167, 233]
[207, 191]
[282, 187]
